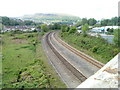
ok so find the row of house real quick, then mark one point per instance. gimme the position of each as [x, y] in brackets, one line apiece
[103, 29]
[99, 29]
[21, 28]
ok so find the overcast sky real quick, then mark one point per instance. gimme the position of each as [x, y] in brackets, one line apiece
[83, 8]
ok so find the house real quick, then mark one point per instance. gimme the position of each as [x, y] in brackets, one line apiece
[103, 29]
[79, 31]
[79, 27]
[97, 29]
[110, 27]
[18, 27]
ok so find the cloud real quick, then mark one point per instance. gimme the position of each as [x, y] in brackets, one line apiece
[82, 8]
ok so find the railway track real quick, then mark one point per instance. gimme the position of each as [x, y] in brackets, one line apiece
[75, 72]
[82, 55]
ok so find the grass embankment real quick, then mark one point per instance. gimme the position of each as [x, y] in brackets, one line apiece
[0, 61]
[25, 64]
[96, 47]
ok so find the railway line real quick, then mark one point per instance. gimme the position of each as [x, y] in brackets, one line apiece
[85, 57]
[71, 65]
[77, 73]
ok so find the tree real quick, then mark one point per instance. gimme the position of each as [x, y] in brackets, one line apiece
[84, 21]
[13, 22]
[51, 27]
[27, 22]
[38, 28]
[92, 21]
[118, 21]
[1, 26]
[97, 25]
[105, 22]
[110, 30]
[117, 37]
[56, 26]
[44, 28]
[63, 28]
[5, 21]
[114, 20]
[67, 29]
[72, 30]
[84, 29]
[78, 24]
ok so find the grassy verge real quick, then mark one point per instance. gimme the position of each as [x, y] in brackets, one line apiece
[25, 64]
[0, 61]
[96, 47]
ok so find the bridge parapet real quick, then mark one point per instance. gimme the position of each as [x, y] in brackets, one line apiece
[106, 77]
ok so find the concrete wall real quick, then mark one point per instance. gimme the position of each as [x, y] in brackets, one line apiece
[106, 77]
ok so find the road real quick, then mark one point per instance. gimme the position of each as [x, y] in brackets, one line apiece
[109, 38]
[71, 68]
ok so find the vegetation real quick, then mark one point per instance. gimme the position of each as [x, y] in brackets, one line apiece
[44, 28]
[110, 30]
[84, 29]
[72, 30]
[117, 37]
[84, 21]
[25, 64]
[13, 22]
[104, 22]
[92, 21]
[55, 26]
[110, 22]
[0, 61]
[63, 28]
[96, 47]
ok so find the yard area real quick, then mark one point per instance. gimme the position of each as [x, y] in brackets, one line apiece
[24, 63]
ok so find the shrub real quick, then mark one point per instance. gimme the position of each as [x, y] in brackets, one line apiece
[72, 30]
[94, 49]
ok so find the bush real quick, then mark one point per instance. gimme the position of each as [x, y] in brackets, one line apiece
[63, 28]
[72, 30]
[117, 37]
[94, 49]
[97, 47]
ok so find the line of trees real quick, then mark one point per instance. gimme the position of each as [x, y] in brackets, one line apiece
[84, 21]
[13, 22]
[117, 37]
[115, 21]
[110, 22]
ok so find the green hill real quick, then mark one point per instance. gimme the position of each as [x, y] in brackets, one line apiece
[51, 18]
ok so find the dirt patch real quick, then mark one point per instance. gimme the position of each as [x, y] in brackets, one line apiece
[19, 41]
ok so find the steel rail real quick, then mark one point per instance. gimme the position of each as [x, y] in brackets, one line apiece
[82, 55]
[75, 72]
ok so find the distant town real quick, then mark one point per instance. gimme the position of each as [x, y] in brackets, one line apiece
[29, 23]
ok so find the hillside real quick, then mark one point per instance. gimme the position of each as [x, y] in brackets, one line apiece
[51, 18]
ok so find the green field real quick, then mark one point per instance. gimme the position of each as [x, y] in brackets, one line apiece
[24, 63]
[96, 47]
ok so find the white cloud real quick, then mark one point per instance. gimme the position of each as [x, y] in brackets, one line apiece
[82, 8]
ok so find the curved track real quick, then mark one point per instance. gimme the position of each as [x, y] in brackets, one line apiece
[77, 73]
[71, 65]
[82, 55]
